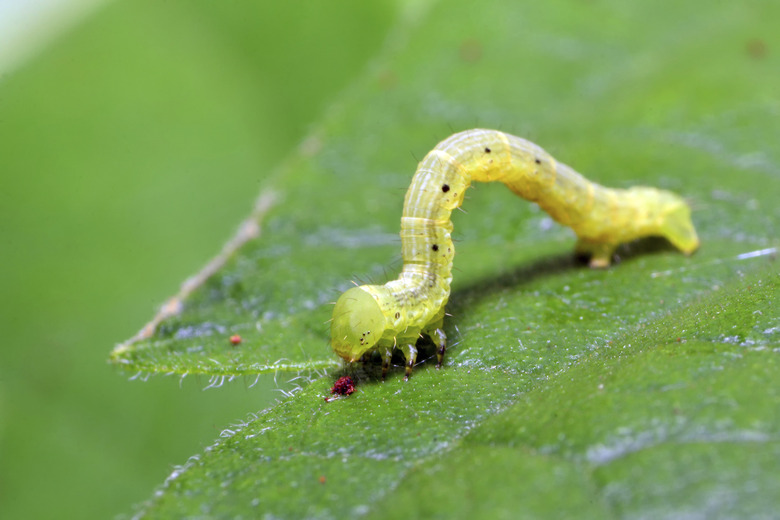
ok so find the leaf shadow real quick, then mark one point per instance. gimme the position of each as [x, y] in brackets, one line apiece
[479, 290]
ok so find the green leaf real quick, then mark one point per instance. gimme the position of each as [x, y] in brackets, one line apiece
[644, 390]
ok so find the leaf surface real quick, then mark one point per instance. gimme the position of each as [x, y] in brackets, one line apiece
[645, 390]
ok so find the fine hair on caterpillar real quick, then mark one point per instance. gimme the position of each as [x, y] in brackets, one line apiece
[381, 318]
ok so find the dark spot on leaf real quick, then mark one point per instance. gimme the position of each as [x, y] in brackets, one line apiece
[445, 188]
[387, 80]
[470, 51]
[756, 48]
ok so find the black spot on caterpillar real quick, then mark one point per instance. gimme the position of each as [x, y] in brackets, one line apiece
[413, 305]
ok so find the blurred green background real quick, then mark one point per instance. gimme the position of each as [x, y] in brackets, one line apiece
[127, 157]
[132, 147]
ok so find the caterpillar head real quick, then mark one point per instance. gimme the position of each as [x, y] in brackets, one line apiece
[358, 324]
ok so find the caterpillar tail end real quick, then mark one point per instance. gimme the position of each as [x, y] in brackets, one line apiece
[677, 227]
[672, 221]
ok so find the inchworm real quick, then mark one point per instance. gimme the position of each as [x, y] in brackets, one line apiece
[395, 315]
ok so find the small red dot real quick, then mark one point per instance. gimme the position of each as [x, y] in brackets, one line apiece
[322, 479]
[235, 339]
[344, 386]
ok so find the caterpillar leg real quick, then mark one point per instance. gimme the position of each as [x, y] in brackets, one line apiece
[387, 354]
[440, 339]
[410, 353]
[600, 253]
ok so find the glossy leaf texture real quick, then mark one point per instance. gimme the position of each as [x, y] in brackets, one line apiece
[646, 390]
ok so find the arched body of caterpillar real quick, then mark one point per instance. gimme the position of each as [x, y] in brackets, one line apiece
[395, 315]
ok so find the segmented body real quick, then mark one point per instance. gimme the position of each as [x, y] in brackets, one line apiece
[383, 317]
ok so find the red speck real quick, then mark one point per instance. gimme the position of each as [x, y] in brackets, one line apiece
[344, 386]
[322, 479]
[235, 339]
[756, 48]
[470, 51]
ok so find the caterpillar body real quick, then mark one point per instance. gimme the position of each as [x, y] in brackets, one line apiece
[381, 318]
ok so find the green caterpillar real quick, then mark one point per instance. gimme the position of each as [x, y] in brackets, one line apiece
[384, 317]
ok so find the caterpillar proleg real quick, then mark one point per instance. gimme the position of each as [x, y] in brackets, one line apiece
[384, 317]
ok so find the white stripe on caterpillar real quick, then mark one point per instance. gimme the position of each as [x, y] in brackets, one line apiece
[383, 317]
